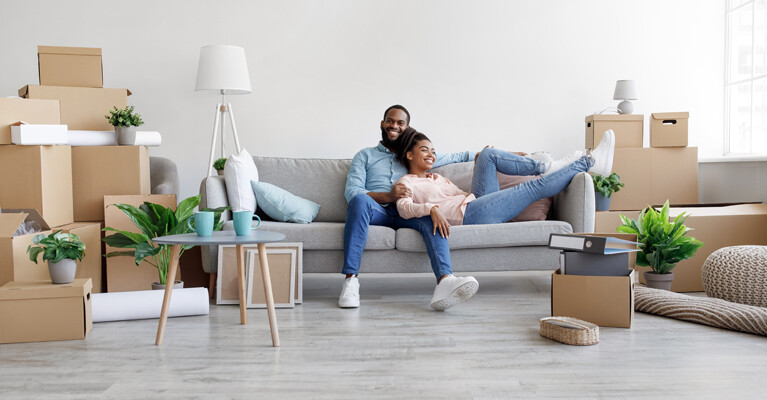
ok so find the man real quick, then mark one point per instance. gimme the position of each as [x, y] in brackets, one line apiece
[370, 192]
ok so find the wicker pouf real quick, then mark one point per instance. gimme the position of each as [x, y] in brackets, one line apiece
[738, 274]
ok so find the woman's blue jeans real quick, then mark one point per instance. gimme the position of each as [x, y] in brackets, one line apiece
[494, 206]
[363, 211]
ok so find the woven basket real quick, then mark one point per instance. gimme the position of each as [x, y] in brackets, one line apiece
[571, 331]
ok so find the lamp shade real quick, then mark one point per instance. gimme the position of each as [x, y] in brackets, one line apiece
[625, 90]
[223, 67]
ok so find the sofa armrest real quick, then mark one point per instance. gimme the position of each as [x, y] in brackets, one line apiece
[213, 195]
[575, 204]
[163, 176]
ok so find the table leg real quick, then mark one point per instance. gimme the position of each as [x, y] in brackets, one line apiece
[241, 283]
[169, 282]
[268, 294]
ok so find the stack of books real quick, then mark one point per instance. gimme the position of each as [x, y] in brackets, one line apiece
[592, 255]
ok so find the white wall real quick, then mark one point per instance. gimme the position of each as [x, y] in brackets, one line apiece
[520, 75]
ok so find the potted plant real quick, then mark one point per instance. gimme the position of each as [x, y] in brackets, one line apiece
[154, 220]
[218, 165]
[60, 250]
[663, 243]
[604, 188]
[125, 122]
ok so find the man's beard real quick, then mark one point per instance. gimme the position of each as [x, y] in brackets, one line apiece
[393, 145]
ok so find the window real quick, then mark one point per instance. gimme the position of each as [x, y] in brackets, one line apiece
[746, 78]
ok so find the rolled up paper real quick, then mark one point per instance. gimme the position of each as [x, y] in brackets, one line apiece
[147, 138]
[91, 138]
[147, 304]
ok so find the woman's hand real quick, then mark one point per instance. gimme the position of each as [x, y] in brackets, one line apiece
[439, 223]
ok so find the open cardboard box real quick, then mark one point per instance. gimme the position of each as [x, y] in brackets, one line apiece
[14, 260]
[41, 311]
[602, 300]
[38, 177]
[716, 225]
[32, 111]
[82, 108]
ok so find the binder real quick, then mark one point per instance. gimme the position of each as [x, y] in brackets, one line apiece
[591, 244]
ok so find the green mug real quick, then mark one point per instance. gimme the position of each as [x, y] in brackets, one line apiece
[243, 222]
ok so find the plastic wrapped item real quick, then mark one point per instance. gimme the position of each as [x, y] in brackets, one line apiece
[27, 227]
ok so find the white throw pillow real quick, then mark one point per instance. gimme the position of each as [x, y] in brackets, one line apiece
[239, 171]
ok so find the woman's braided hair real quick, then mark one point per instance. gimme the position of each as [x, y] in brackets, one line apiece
[410, 137]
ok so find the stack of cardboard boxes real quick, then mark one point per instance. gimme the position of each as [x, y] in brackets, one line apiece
[668, 170]
[59, 187]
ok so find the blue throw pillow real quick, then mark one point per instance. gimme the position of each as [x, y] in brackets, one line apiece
[281, 205]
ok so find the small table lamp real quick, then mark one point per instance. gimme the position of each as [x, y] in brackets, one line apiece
[625, 90]
[222, 69]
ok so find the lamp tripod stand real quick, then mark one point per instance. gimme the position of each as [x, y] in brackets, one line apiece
[218, 125]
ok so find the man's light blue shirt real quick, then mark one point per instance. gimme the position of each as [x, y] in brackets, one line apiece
[375, 169]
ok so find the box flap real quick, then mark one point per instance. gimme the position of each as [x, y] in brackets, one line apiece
[740, 209]
[24, 91]
[614, 117]
[671, 115]
[81, 51]
[29, 215]
[17, 290]
[9, 222]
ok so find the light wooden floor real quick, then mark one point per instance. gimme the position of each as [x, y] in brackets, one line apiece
[394, 346]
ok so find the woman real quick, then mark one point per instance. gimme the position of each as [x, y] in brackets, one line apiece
[448, 205]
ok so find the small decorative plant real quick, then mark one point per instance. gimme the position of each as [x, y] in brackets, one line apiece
[56, 247]
[607, 185]
[154, 220]
[124, 117]
[218, 165]
[663, 243]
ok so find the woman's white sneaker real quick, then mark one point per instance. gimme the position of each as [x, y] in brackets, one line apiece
[452, 290]
[603, 154]
[350, 293]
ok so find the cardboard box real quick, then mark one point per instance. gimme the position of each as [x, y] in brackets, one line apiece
[99, 171]
[628, 129]
[633, 166]
[590, 264]
[14, 261]
[42, 311]
[32, 111]
[90, 266]
[226, 285]
[81, 108]
[122, 273]
[23, 133]
[673, 176]
[654, 175]
[70, 66]
[668, 129]
[717, 226]
[602, 300]
[38, 177]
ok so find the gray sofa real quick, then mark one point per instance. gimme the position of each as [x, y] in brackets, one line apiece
[497, 247]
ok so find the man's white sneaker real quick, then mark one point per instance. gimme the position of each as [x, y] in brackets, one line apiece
[603, 154]
[453, 290]
[562, 162]
[350, 293]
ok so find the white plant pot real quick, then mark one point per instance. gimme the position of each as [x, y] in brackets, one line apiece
[158, 286]
[62, 271]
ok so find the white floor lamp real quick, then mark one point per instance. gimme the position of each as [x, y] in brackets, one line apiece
[222, 69]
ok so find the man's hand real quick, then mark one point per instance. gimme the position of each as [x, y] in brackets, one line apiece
[439, 223]
[399, 190]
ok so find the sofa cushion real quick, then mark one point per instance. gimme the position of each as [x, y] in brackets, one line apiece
[281, 205]
[239, 171]
[532, 233]
[325, 235]
[319, 180]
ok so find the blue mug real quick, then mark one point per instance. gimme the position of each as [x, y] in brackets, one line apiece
[243, 222]
[203, 221]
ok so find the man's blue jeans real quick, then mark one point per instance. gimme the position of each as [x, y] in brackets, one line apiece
[494, 206]
[364, 211]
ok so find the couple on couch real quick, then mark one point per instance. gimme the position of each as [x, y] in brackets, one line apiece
[390, 185]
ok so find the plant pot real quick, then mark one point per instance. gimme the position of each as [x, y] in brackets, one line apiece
[220, 172]
[658, 281]
[126, 135]
[158, 286]
[601, 202]
[62, 271]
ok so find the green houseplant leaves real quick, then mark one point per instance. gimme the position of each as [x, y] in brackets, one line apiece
[56, 247]
[155, 220]
[124, 117]
[663, 243]
[607, 185]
